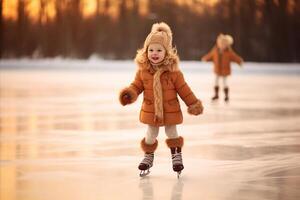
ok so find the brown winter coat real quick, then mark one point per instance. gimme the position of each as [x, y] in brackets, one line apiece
[222, 60]
[173, 83]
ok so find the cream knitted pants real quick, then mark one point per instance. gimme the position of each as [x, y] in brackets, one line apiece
[152, 133]
[217, 78]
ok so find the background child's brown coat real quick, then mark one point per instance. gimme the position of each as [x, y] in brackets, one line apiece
[222, 60]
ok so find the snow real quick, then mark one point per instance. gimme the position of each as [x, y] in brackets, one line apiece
[64, 135]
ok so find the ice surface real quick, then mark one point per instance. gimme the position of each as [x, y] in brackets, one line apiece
[65, 136]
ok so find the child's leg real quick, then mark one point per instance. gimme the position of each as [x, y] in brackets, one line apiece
[226, 88]
[151, 134]
[171, 131]
[217, 78]
[225, 85]
[216, 88]
[149, 145]
[175, 143]
[173, 139]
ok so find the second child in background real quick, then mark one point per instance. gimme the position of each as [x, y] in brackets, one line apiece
[222, 55]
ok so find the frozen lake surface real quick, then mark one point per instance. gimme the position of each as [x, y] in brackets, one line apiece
[64, 135]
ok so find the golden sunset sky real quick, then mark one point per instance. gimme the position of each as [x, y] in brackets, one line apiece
[88, 7]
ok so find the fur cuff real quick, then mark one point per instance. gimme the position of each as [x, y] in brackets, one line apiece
[148, 148]
[129, 91]
[175, 142]
[196, 108]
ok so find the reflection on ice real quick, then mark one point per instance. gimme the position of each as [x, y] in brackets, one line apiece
[148, 192]
[65, 136]
[146, 188]
[177, 190]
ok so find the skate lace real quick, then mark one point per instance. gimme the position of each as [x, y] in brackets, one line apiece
[177, 158]
[148, 159]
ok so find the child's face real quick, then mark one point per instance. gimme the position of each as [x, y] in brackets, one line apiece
[221, 43]
[156, 53]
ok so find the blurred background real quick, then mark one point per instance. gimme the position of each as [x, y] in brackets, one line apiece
[64, 134]
[264, 30]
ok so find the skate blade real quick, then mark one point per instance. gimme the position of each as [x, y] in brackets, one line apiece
[144, 173]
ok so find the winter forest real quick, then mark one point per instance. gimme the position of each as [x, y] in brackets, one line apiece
[264, 30]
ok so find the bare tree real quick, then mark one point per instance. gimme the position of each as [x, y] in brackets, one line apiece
[22, 24]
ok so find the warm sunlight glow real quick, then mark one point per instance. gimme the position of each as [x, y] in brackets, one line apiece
[193, 2]
[143, 9]
[33, 9]
[10, 9]
[50, 9]
[210, 2]
[89, 7]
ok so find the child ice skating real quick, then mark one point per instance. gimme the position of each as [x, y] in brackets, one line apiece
[222, 55]
[160, 79]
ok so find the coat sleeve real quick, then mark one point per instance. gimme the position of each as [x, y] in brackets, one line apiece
[208, 56]
[184, 90]
[235, 57]
[135, 88]
[137, 84]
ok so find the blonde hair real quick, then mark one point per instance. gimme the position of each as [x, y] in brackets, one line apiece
[227, 38]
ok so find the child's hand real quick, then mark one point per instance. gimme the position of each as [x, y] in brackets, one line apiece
[196, 109]
[126, 98]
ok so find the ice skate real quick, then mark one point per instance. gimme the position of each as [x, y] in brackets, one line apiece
[177, 160]
[216, 96]
[175, 145]
[226, 92]
[146, 164]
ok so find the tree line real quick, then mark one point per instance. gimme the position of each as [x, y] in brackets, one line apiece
[263, 30]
